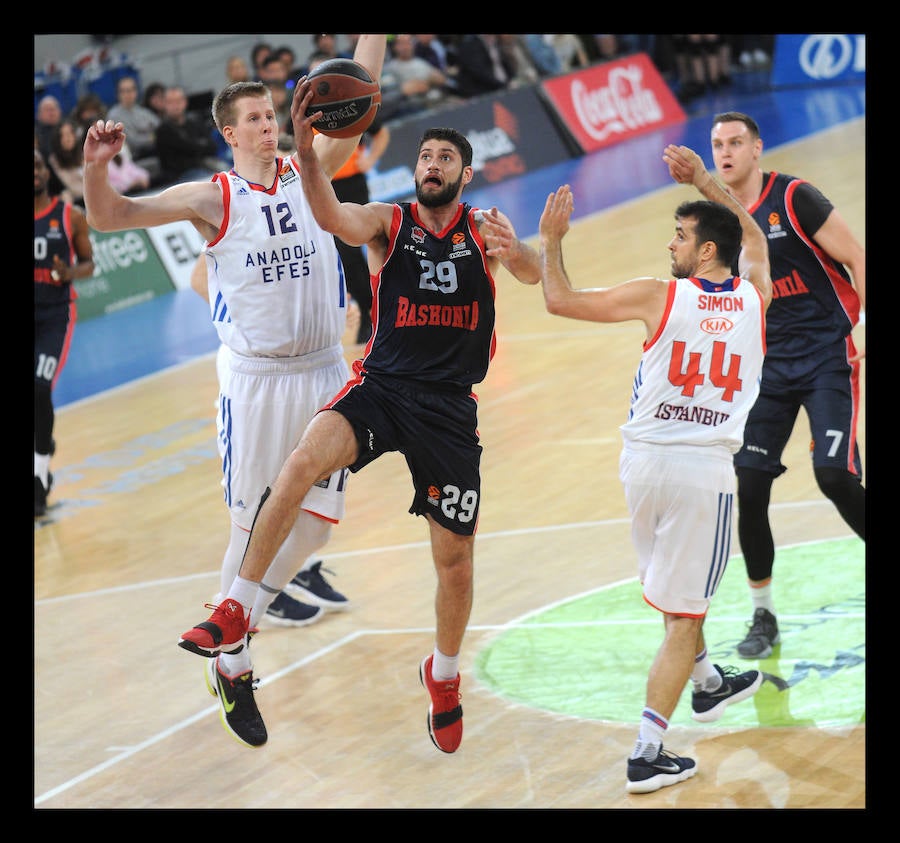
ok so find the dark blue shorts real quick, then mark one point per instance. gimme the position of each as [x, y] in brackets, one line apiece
[436, 431]
[829, 394]
[52, 331]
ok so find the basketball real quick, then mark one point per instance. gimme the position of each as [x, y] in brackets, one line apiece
[346, 94]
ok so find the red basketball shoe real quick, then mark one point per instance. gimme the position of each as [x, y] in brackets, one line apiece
[224, 630]
[445, 725]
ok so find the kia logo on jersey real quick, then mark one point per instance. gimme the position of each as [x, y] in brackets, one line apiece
[716, 325]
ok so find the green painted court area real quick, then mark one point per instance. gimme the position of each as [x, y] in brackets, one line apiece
[589, 657]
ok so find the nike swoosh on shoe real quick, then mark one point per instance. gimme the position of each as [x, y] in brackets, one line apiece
[667, 768]
[227, 703]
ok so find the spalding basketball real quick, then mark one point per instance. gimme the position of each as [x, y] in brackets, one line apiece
[346, 94]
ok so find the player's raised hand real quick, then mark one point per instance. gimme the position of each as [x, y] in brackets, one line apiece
[103, 141]
[554, 222]
[685, 165]
[497, 231]
[303, 122]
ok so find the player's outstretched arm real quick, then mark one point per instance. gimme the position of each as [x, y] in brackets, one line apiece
[686, 167]
[501, 243]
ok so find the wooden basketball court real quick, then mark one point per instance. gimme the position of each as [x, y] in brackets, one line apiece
[122, 718]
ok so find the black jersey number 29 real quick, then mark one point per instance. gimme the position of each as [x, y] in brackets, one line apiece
[440, 277]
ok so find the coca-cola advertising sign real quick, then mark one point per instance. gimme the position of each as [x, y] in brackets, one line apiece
[611, 102]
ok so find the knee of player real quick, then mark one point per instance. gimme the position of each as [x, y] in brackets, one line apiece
[453, 553]
[835, 483]
[454, 573]
[301, 468]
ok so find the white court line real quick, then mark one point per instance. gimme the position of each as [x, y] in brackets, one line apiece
[525, 531]
[129, 752]
[125, 754]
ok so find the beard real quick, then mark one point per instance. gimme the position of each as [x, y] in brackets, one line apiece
[441, 197]
[683, 270]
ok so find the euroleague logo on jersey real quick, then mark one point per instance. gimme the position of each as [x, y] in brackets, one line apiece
[716, 325]
[286, 174]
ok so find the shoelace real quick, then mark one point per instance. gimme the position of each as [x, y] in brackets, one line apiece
[729, 671]
[239, 684]
[445, 687]
[215, 606]
[238, 688]
[757, 628]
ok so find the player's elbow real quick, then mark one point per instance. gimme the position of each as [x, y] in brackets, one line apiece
[338, 225]
[98, 222]
[104, 216]
[759, 277]
[556, 304]
[857, 263]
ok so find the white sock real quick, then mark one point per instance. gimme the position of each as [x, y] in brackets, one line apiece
[42, 467]
[244, 591]
[264, 598]
[234, 664]
[650, 735]
[444, 667]
[704, 676]
[761, 595]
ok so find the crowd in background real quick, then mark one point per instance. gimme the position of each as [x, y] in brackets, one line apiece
[171, 136]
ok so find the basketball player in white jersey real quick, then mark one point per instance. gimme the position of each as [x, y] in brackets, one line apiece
[286, 609]
[278, 302]
[696, 381]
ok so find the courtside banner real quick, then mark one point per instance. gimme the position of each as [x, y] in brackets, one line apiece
[178, 245]
[611, 102]
[511, 134]
[818, 59]
[127, 271]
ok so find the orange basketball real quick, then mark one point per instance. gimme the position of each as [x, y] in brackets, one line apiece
[347, 95]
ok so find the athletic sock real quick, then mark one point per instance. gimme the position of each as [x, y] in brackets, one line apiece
[704, 676]
[761, 595]
[650, 735]
[444, 667]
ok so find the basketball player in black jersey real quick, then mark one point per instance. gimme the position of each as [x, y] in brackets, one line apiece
[818, 271]
[411, 391]
[62, 253]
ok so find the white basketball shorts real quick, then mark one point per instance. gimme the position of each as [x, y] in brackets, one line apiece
[681, 502]
[265, 404]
